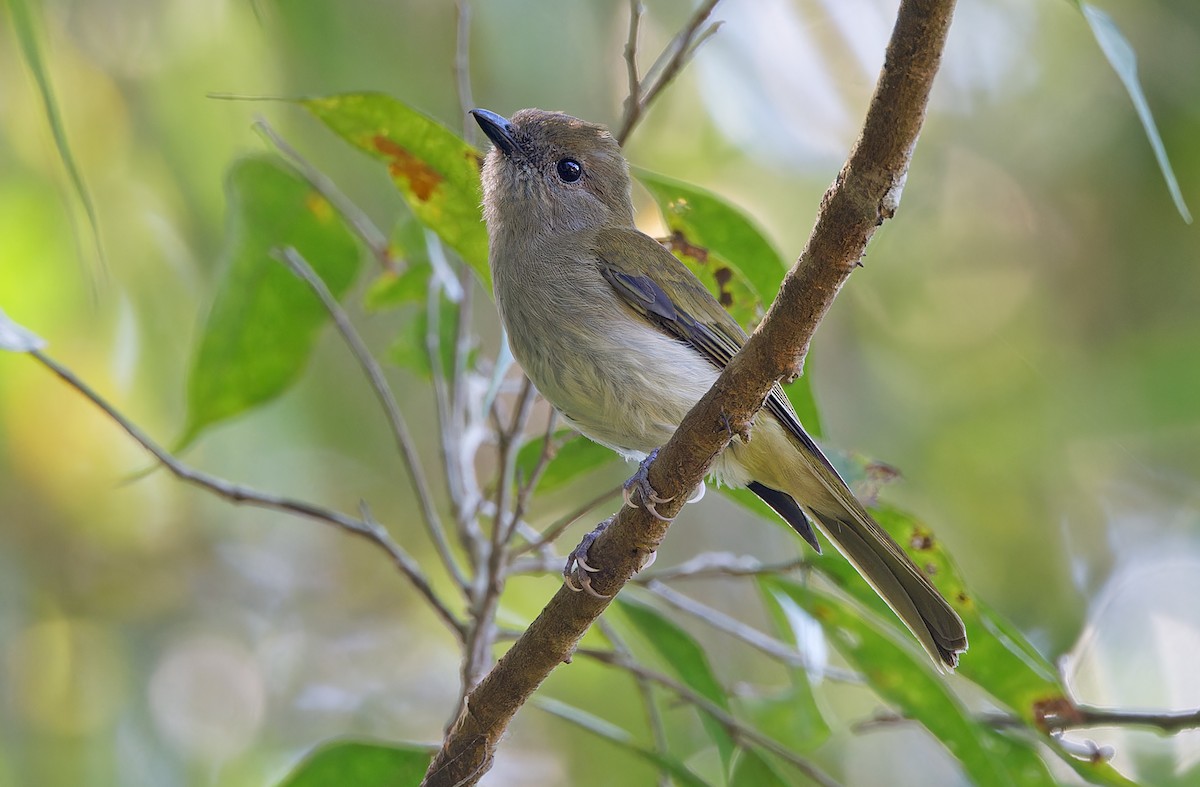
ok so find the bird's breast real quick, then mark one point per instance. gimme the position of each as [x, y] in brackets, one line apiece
[617, 378]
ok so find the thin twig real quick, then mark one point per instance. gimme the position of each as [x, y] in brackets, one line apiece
[371, 236]
[451, 398]
[736, 728]
[526, 488]
[772, 647]
[1167, 722]
[682, 47]
[1073, 717]
[489, 583]
[379, 384]
[707, 565]
[631, 47]
[551, 533]
[510, 445]
[237, 493]
[654, 720]
[462, 68]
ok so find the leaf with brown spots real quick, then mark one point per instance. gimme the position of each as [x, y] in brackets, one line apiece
[420, 178]
[723, 281]
[436, 172]
[733, 258]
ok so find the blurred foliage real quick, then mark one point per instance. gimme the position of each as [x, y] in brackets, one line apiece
[1021, 344]
[264, 320]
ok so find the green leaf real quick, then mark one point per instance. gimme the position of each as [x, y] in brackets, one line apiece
[575, 457]
[361, 764]
[1121, 57]
[686, 659]
[410, 350]
[1000, 660]
[391, 290]
[907, 680]
[31, 50]
[731, 255]
[707, 221]
[264, 320]
[17, 338]
[752, 770]
[436, 171]
[793, 717]
[621, 737]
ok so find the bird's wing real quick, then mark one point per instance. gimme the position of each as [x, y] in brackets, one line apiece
[642, 272]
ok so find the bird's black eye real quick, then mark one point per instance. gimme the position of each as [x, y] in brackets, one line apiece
[569, 170]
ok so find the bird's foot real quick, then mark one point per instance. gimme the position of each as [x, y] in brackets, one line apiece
[577, 574]
[640, 482]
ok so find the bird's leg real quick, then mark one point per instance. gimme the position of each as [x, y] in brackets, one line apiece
[577, 572]
[640, 482]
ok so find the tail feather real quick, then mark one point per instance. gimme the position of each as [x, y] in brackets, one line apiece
[898, 581]
[787, 507]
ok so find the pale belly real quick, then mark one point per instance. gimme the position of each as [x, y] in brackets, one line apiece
[626, 389]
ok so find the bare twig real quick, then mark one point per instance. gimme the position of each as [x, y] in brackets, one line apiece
[767, 644]
[645, 687]
[359, 222]
[509, 444]
[449, 403]
[490, 581]
[681, 49]
[364, 528]
[734, 726]
[631, 47]
[1167, 723]
[1067, 716]
[865, 193]
[527, 486]
[462, 68]
[551, 533]
[707, 565]
[379, 384]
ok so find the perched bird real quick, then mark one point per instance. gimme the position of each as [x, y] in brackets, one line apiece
[623, 340]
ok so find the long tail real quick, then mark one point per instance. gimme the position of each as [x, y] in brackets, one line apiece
[882, 563]
[897, 580]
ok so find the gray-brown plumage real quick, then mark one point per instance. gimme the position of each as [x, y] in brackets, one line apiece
[623, 340]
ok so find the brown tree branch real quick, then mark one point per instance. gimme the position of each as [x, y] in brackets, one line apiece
[865, 193]
[366, 527]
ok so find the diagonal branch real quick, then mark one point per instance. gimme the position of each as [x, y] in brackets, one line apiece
[236, 493]
[379, 384]
[780, 651]
[865, 193]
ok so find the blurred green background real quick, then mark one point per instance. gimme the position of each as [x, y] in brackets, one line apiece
[1023, 344]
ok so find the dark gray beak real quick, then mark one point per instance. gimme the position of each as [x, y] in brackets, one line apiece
[498, 130]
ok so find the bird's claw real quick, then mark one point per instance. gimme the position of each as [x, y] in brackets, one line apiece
[577, 572]
[640, 482]
[578, 569]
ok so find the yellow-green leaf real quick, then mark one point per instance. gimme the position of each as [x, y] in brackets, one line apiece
[436, 172]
